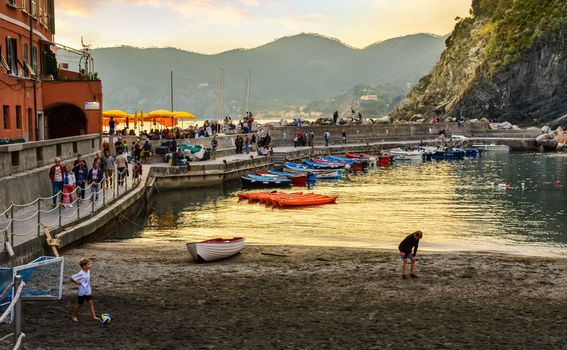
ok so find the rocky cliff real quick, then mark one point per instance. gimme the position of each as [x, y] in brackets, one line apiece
[508, 61]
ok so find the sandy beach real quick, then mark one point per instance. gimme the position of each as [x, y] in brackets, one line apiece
[311, 298]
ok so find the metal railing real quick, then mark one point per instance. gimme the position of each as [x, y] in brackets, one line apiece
[15, 311]
[22, 222]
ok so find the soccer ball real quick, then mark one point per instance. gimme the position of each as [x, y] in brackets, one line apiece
[105, 319]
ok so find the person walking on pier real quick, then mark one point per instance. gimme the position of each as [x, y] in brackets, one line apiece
[56, 176]
[94, 178]
[344, 137]
[122, 167]
[247, 144]
[68, 186]
[214, 145]
[327, 137]
[108, 167]
[405, 248]
[81, 173]
[310, 138]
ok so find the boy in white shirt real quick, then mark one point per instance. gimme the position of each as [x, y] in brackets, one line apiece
[84, 293]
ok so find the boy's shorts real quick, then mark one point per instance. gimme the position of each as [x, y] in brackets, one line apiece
[82, 298]
[406, 256]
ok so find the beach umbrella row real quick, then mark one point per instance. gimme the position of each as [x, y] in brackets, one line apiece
[160, 116]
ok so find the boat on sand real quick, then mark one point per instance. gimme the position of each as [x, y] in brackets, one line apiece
[215, 249]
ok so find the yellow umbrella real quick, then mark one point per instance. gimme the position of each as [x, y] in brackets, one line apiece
[116, 113]
[160, 113]
[156, 116]
[184, 115]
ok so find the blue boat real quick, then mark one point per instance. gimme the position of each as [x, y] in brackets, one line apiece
[321, 165]
[256, 181]
[319, 173]
[447, 155]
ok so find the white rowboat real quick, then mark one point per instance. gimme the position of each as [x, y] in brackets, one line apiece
[215, 249]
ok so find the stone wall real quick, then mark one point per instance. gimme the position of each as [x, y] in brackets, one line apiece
[24, 167]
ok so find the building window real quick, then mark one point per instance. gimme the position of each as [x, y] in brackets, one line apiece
[34, 60]
[12, 3]
[25, 53]
[6, 113]
[18, 117]
[12, 55]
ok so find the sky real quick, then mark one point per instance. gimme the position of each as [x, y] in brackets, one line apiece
[213, 26]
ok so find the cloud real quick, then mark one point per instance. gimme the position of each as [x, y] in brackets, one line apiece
[294, 22]
[207, 10]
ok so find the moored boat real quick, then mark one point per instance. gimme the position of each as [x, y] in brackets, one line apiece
[492, 148]
[215, 249]
[297, 179]
[255, 181]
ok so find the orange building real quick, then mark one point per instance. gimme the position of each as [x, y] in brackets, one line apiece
[39, 99]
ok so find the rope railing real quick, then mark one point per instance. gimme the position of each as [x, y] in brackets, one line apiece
[66, 207]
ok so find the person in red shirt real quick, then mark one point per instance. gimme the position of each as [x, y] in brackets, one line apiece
[56, 174]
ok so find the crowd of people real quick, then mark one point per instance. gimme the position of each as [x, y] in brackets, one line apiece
[67, 181]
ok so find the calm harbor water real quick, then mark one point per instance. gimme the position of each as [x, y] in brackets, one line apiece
[458, 205]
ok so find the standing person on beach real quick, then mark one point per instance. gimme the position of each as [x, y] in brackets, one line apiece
[344, 136]
[405, 247]
[84, 293]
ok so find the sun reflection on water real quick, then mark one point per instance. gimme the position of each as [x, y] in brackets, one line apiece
[457, 205]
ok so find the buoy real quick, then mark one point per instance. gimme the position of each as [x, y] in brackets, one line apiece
[523, 185]
[558, 183]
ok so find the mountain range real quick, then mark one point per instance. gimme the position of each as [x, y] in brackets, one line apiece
[287, 74]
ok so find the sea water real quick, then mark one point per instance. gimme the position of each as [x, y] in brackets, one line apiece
[507, 203]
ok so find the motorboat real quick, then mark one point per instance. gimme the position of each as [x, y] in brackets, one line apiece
[215, 249]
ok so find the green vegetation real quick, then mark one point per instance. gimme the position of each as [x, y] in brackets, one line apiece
[514, 25]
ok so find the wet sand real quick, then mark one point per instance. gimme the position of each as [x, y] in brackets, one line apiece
[313, 298]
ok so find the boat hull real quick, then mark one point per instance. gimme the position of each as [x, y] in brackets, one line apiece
[248, 182]
[215, 249]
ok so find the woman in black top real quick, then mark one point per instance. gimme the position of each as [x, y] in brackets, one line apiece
[405, 247]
